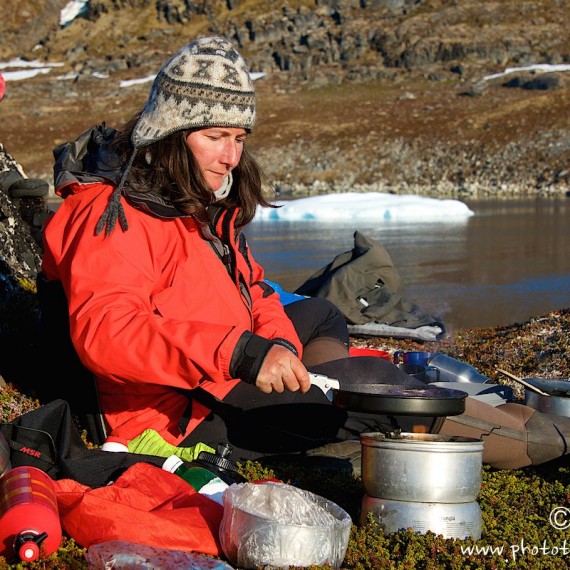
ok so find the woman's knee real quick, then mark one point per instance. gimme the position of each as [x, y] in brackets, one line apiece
[316, 317]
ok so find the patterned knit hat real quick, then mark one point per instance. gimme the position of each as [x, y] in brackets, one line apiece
[205, 84]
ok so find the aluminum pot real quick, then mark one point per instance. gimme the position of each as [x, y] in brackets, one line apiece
[559, 405]
[421, 467]
[459, 520]
[558, 400]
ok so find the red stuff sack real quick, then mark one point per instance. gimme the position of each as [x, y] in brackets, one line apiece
[146, 505]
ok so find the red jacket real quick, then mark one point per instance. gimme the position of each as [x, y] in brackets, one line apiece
[153, 309]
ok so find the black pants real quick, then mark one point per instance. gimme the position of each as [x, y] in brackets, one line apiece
[258, 424]
[316, 318]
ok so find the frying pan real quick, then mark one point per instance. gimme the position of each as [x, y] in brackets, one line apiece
[391, 399]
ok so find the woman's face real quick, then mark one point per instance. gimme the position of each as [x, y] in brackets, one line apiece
[217, 151]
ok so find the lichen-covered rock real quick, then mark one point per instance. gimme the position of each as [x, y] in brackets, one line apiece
[20, 259]
[19, 252]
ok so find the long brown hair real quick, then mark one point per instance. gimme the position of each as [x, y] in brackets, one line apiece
[167, 167]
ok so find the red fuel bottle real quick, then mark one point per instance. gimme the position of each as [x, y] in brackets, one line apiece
[29, 518]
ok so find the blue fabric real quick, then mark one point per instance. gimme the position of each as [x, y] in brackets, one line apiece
[285, 296]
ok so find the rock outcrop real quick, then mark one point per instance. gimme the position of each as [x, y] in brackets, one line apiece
[20, 258]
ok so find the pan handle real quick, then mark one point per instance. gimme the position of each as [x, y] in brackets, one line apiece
[326, 384]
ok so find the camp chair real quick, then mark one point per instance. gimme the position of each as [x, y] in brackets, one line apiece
[73, 382]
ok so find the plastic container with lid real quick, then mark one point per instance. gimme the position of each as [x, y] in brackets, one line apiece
[275, 525]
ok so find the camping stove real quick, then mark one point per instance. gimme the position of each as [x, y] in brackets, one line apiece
[427, 482]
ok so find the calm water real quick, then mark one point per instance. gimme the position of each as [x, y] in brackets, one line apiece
[509, 262]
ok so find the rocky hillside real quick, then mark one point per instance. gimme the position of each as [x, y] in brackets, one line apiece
[378, 94]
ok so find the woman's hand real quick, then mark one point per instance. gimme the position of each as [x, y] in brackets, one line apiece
[282, 370]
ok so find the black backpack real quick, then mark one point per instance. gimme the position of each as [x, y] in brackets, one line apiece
[48, 438]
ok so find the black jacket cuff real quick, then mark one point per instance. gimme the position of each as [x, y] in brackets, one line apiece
[249, 354]
[248, 357]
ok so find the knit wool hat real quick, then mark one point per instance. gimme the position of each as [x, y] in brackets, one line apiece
[205, 84]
